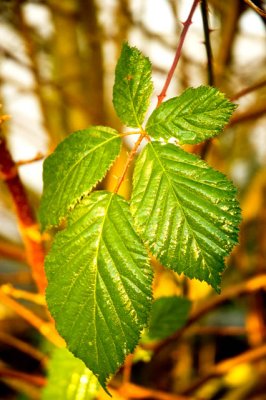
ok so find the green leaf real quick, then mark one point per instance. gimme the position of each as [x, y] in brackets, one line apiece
[185, 211]
[75, 167]
[196, 115]
[168, 314]
[69, 379]
[99, 283]
[132, 87]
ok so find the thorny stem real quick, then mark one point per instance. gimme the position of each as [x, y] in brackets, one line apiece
[130, 159]
[169, 77]
[206, 28]
[204, 12]
[27, 223]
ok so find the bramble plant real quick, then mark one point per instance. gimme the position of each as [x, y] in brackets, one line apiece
[181, 211]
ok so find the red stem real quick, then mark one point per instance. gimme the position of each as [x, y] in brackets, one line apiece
[186, 25]
[27, 223]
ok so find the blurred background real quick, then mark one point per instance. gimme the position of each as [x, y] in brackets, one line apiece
[57, 63]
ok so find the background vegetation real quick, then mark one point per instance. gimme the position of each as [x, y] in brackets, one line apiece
[56, 76]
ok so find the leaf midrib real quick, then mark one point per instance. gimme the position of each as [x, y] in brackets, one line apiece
[78, 162]
[181, 208]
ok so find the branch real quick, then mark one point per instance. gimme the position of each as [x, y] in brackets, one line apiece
[255, 8]
[186, 26]
[257, 111]
[27, 223]
[36, 298]
[45, 328]
[12, 250]
[206, 29]
[250, 286]
[248, 90]
[23, 347]
[32, 379]
[132, 391]
[224, 366]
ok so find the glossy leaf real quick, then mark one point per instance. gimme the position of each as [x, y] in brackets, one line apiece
[133, 86]
[168, 314]
[75, 167]
[185, 211]
[99, 283]
[196, 115]
[69, 379]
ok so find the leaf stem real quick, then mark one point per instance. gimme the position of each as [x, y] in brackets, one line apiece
[169, 77]
[130, 159]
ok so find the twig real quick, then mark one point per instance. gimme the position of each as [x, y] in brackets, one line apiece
[127, 368]
[250, 286]
[45, 328]
[36, 298]
[224, 366]
[38, 157]
[27, 223]
[206, 29]
[32, 379]
[138, 392]
[169, 77]
[11, 250]
[204, 12]
[254, 112]
[255, 8]
[218, 330]
[248, 90]
[24, 347]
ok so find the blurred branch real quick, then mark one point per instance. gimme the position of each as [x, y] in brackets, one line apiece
[252, 285]
[248, 90]
[225, 366]
[218, 330]
[12, 251]
[255, 111]
[132, 391]
[230, 17]
[255, 8]
[23, 294]
[28, 225]
[23, 347]
[29, 378]
[45, 328]
[38, 157]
